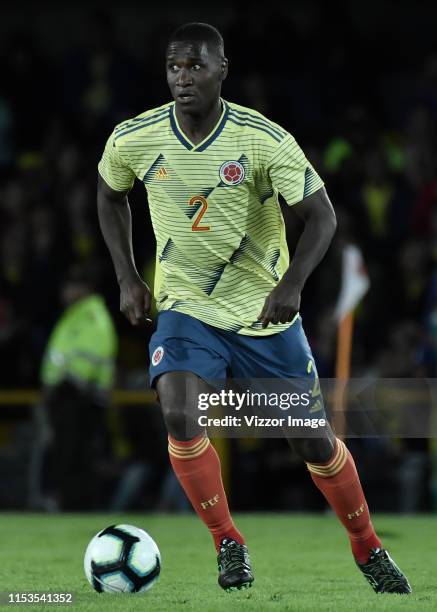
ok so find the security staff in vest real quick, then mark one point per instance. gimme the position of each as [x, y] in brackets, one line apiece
[77, 375]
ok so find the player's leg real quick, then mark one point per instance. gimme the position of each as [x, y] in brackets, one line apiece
[334, 473]
[288, 356]
[193, 458]
[315, 449]
[188, 354]
[337, 479]
[197, 467]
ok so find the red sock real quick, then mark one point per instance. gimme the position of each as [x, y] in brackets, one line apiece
[197, 467]
[339, 482]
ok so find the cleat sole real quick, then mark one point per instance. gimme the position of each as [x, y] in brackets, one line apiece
[240, 587]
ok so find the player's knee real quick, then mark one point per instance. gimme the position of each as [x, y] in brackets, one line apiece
[176, 408]
[176, 421]
[314, 450]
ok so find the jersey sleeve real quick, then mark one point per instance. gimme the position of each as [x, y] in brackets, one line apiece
[291, 173]
[113, 169]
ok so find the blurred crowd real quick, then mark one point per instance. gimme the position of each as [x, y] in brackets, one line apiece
[364, 114]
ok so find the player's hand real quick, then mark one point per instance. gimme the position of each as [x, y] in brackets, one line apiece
[281, 305]
[135, 301]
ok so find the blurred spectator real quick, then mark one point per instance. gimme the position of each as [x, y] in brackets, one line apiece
[77, 376]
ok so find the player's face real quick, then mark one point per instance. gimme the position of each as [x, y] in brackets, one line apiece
[194, 75]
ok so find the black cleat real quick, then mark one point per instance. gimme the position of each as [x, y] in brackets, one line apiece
[383, 574]
[234, 566]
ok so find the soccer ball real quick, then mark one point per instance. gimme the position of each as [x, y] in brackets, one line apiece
[122, 559]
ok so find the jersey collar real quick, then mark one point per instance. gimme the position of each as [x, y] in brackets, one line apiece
[215, 133]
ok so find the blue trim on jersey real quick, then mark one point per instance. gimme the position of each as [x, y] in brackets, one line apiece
[136, 120]
[259, 120]
[165, 250]
[218, 131]
[187, 144]
[153, 168]
[253, 123]
[310, 179]
[266, 196]
[177, 132]
[245, 122]
[140, 127]
[218, 272]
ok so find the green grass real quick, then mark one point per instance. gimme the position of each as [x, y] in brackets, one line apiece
[301, 563]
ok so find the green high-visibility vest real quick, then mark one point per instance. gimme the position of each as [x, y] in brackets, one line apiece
[82, 346]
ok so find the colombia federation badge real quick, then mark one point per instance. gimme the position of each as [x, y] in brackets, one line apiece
[232, 173]
[157, 356]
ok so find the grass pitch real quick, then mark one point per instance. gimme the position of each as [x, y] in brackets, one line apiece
[301, 563]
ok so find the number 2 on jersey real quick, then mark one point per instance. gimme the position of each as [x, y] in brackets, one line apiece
[198, 199]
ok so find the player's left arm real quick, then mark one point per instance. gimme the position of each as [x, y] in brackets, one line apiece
[317, 213]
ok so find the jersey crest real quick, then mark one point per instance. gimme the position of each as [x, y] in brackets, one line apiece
[232, 173]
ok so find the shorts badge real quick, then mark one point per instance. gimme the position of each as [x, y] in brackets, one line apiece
[157, 356]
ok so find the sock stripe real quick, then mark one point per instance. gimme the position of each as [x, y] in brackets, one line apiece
[189, 455]
[182, 448]
[336, 464]
[188, 452]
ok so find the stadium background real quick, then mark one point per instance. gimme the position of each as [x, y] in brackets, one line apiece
[356, 83]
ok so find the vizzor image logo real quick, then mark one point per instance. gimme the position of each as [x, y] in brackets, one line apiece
[232, 173]
[157, 356]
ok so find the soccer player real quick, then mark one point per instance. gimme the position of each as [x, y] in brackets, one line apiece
[227, 295]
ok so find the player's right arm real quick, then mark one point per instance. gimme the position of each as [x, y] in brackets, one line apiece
[115, 181]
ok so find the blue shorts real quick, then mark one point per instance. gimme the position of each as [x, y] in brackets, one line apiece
[183, 343]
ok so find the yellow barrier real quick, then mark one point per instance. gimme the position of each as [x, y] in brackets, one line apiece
[24, 397]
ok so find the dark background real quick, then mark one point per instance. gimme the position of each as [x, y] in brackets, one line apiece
[354, 82]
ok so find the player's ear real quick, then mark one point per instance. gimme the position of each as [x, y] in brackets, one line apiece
[224, 69]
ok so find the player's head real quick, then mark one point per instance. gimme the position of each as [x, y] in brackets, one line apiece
[196, 66]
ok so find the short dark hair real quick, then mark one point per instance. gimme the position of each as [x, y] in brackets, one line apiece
[199, 32]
